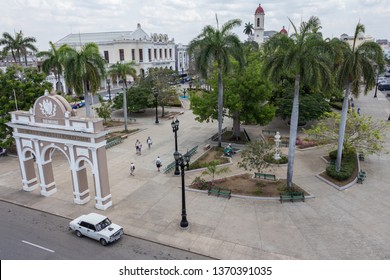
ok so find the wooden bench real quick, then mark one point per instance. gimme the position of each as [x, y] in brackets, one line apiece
[192, 151]
[170, 167]
[113, 141]
[206, 147]
[292, 196]
[361, 177]
[268, 132]
[219, 192]
[265, 176]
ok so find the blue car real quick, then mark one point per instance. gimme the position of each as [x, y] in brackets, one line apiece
[77, 104]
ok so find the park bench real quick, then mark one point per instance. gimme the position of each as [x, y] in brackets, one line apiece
[206, 147]
[265, 176]
[268, 132]
[113, 141]
[292, 196]
[219, 192]
[170, 167]
[361, 176]
[192, 151]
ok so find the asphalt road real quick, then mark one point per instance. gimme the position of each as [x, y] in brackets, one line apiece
[28, 234]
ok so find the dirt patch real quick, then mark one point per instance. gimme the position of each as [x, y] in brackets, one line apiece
[214, 153]
[244, 184]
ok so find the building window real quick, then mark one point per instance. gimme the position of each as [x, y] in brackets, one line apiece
[165, 54]
[155, 54]
[170, 53]
[106, 57]
[133, 54]
[121, 54]
[150, 54]
[141, 56]
[258, 22]
[160, 53]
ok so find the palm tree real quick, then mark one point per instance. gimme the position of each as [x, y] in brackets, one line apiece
[120, 71]
[25, 43]
[357, 68]
[52, 62]
[83, 70]
[248, 30]
[17, 45]
[217, 45]
[10, 45]
[305, 56]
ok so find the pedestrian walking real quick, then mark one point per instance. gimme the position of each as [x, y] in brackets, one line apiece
[132, 168]
[358, 110]
[158, 163]
[149, 142]
[139, 148]
[137, 143]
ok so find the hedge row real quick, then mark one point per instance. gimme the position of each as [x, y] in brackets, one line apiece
[348, 163]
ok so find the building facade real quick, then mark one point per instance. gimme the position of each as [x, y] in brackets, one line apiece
[182, 59]
[147, 51]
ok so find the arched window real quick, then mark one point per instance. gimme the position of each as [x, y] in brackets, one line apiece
[258, 22]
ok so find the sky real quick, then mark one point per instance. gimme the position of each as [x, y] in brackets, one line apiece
[183, 20]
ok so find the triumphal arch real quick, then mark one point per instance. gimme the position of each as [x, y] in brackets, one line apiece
[52, 125]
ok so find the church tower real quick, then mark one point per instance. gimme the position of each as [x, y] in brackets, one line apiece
[259, 25]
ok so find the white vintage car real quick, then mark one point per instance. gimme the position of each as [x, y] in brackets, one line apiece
[97, 227]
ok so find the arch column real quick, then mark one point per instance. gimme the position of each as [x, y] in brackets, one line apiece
[100, 175]
[79, 197]
[45, 168]
[29, 178]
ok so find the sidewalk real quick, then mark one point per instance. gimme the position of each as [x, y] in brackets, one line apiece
[350, 224]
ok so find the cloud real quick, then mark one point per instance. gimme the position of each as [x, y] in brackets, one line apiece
[183, 20]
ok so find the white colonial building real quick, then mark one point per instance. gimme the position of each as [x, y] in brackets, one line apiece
[147, 51]
[182, 59]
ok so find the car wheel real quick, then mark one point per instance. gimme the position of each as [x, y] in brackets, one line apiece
[78, 233]
[103, 242]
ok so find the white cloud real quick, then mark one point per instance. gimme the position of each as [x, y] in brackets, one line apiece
[183, 20]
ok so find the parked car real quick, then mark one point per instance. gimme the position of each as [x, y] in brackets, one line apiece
[107, 97]
[97, 227]
[77, 104]
[383, 87]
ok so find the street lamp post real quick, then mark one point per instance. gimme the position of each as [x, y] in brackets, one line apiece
[155, 93]
[182, 161]
[376, 82]
[175, 128]
[109, 87]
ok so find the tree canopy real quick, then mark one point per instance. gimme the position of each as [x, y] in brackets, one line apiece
[19, 88]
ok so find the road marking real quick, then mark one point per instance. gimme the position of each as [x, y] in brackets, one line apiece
[40, 247]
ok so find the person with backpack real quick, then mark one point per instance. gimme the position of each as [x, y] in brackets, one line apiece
[132, 168]
[158, 163]
[149, 142]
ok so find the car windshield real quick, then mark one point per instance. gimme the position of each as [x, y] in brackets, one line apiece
[103, 224]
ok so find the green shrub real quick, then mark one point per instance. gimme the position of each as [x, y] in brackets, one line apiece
[270, 158]
[348, 164]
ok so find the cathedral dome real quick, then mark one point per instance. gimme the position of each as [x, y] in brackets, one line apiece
[259, 10]
[283, 31]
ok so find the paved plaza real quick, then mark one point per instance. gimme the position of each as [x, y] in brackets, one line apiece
[349, 224]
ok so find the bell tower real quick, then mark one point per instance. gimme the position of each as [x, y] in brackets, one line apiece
[259, 25]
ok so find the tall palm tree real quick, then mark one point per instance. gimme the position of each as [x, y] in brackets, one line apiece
[17, 45]
[53, 63]
[303, 55]
[121, 70]
[9, 44]
[217, 45]
[84, 70]
[357, 68]
[248, 30]
[25, 44]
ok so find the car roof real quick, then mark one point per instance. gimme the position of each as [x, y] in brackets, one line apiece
[94, 218]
